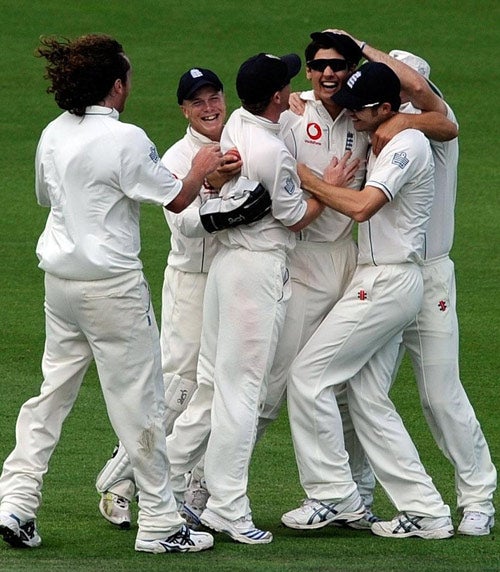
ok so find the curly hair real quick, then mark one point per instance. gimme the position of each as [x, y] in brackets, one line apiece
[82, 71]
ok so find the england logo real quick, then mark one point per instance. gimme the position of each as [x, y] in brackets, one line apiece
[289, 186]
[349, 142]
[153, 155]
[400, 159]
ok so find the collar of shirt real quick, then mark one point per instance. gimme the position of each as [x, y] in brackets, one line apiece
[197, 136]
[258, 120]
[100, 110]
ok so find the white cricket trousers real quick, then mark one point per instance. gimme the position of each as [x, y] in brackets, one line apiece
[112, 322]
[358, 343]
[432, 343]
[180, 333]
[320, 273]
[244, 310]
[181, 320]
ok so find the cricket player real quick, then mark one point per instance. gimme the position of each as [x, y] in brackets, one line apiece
[432, 338]
[323, 261]
[92, 171]
[245, 303]
[201, 99]
[359, 339]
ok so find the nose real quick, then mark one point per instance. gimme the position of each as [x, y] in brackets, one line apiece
[328, 70]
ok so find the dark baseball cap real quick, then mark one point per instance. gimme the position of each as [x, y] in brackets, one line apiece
[342, 43]
[264, 74]
[372, 83]
[193, 79]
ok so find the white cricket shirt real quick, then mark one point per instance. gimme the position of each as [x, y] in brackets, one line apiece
[314, 138]
[192, 248]
[93, 171]
[404, 172]
[267, 160]
[441, 225]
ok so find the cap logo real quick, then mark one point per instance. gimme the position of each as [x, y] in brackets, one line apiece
[196, 73]
[353, 79]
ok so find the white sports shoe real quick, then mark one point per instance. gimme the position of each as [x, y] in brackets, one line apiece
[405, 525]
[475, 523]
[17, 534]
[195, 502]
[115, 509]
[184, 540]
[242, 530]
[318, 513]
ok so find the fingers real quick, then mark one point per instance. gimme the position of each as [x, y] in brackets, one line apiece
[345, 158]
[296, 104]
[209, 158]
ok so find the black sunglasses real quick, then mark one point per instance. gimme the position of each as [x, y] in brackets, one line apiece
[334, 64]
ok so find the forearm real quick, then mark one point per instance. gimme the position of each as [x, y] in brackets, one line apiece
[343, 200]
[434, 125]
[412, 83]
[191, 185]
[313, 210]
[358, 205]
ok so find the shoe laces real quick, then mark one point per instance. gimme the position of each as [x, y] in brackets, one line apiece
[182, 536]
[122, 502]
[27, 531]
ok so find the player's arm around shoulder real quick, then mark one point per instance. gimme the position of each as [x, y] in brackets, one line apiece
[432, 124]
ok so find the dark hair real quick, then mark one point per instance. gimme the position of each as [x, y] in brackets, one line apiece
[82, 71]
[313, 47]
[257, 108]
[311, 50]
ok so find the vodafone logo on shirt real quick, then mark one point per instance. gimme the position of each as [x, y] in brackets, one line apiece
[314, 131]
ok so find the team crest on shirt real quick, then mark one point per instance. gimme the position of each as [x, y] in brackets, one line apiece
[400, 159]
[153, 154]
[289, 186]
[349, 141]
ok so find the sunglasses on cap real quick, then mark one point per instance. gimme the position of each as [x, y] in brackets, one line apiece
[334, 64]
[361, 107]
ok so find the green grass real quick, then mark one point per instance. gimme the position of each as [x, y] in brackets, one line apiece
[460, 40]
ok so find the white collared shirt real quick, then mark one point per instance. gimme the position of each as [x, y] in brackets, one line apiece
[441, 226]
[404, 172]
[93, 171]
[192, 248]
[267, 160]
[314, 138]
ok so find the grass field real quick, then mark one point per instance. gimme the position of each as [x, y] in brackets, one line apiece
[460, 39]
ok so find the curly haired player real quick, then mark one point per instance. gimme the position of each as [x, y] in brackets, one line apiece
[93, 171]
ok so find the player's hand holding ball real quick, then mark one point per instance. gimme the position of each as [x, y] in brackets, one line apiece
[231, 167]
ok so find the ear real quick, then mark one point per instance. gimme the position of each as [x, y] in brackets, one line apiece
[308, 74]
[118, 86]
[184, 111]
[386, 108]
